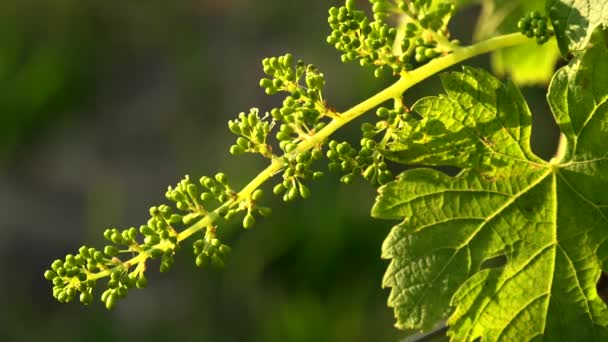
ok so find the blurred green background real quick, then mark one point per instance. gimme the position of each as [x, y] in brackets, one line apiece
[105, 103]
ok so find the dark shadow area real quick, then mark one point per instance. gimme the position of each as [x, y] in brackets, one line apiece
[495, 262]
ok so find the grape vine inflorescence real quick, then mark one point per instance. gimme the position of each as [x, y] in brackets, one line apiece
[536, 25]
[199, 206]
[292, 137]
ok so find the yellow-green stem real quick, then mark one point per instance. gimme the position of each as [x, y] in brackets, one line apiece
[406, 81]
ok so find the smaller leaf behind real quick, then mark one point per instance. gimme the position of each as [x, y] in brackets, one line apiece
[525, 64]
[481, 124]
[575, 21]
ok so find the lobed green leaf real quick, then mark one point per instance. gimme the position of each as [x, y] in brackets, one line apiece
[548, 221]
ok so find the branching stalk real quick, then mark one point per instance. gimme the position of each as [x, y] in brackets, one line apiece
[406, 81]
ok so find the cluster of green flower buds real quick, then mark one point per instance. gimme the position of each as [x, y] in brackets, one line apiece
[356, 37]
[303, 108]
[216, 189]
[121, 281]
[376, 44]
[253, 132]
[425, 34]
[185, 196]
[210, 251]
[535, 24]
[302, 104]
[71, 276]
[296, 170]
[363, 162]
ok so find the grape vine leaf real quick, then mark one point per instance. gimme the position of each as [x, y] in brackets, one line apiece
[511, 248]
[501, 17]
[574, 21]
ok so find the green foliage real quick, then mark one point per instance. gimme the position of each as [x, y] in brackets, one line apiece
[509, 249]
[547, 219]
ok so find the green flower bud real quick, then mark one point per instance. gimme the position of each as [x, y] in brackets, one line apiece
[257, 195]
[420, 58]
[206, 196]
[265, 83]
[278, 189]
[430, 53]
[290, 147]
[332, 155]
[50, 275]
[347, 179]
[234, 127]
[303, 157]
[405, 45]
[98, 256]
[292, 194]
[193, 190]
[110, 251]
[248, 221]
[304, 191]
[225, 249]
[111, 301]
[84, 251]
[175, 218]
[86, 298]
[183, 206]
[202, 260]
[62, 297]
[350, 5]
[105, 295]
[151, 240]
[112, 283]
[166, 263]
[369, 172]
[300, 167]
[236, 150]
[221, 178]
